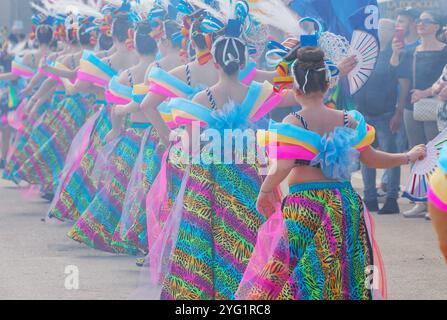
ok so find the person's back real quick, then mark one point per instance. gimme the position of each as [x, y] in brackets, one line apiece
[323, 216]
[324, 122]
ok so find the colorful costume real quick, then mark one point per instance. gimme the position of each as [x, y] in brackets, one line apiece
[77, 188]
[321, 245]
[105, 226]
[437, 197]
[97, 224]
[44, 130]
[437, 192]
[131, 233]
[17, 155]
[214, 222]
[44, 165]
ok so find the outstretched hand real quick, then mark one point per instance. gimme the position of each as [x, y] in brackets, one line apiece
[417, 153]
[347, 65]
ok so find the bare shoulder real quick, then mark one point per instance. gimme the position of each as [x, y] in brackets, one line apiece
[179, 72]
[292, 119]
[201, 98]
[124, 77]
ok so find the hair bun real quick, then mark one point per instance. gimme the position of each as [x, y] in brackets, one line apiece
[143, 29]
[310, 58]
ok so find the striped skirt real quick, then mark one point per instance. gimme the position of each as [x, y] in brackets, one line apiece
[80, 189]
[327, 251]
[217, 233]
[131, 234]
[43, 167]
[98, 223]
[30, 138]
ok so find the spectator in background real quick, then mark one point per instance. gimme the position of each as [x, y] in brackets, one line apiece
[429, 59]
[377, 102]
[405, 21]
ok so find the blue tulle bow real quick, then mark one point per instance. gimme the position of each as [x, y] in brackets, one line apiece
[338, 159]
[230, 116]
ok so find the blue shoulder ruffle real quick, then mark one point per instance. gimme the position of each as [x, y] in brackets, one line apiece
[338, 159]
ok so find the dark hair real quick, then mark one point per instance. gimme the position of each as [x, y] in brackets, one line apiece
[310, 70]
[144, 43]
[291, 55]
[438, 18]
[234, 49]
[85, 35]
[105, 42]
[71, 37]
[171, 28]
[120, 28]
[411, 13]
[44, 34]
[197, 36]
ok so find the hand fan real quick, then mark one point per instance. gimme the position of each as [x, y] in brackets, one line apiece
[417, 186]
[365, 47]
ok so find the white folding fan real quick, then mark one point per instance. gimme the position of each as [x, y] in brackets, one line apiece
[417, 186]
[365, 47]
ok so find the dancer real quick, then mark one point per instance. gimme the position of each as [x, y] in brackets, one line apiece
[132, 229]
[26, 67]
[327, 245]
[97, 224]
[51, 140]
[437, 201]
[213, 231]
[182, 81]
[78, 188]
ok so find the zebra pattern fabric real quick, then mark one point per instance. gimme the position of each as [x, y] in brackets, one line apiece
[98, 223]
[80, 189]
[327, 252]
[33, 136]
[217, 233]
[43, 167]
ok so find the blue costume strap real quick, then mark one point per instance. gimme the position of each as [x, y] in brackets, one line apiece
[252, 96]
[138, 98]
[297, 133]
[169, 82]
[140, 125]
[93, 59]
[362, 128]
[19, 60]
[118, 88]
[248, 68]
[191, 110]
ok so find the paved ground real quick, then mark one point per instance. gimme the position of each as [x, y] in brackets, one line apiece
[34, 256]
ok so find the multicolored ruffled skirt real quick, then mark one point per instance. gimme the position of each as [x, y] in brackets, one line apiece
[218, 226]
[79, 189]
[320, 247]
[131, 233]
[44, 166]
[97, 225]
[32, 136]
